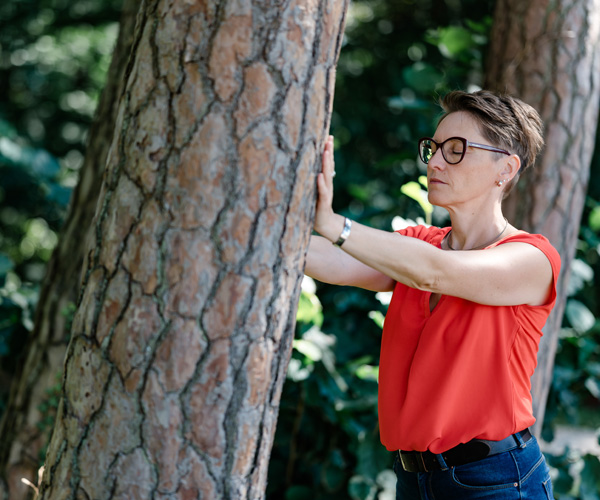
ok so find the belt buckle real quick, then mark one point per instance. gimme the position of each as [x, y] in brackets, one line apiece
[413, 460]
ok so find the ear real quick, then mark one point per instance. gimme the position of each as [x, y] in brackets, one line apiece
[511, 167]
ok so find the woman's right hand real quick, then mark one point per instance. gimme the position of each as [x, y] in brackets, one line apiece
[325, 218]
[326, 262]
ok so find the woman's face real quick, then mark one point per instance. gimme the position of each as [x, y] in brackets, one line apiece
[471, 180]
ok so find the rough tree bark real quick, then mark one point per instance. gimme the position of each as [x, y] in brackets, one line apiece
[22, 439]
[181, 339]
[548, 53]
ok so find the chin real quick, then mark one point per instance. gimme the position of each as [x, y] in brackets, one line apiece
[436, 200]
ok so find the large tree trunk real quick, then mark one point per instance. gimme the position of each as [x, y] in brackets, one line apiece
[548, 53]
[23, 435]
[181, 340]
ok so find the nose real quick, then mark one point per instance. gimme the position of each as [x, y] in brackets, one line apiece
[437, 160]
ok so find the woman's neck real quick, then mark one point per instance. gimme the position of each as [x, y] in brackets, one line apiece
[476, 230]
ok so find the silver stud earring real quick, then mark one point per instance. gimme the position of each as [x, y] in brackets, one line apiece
[501, 182]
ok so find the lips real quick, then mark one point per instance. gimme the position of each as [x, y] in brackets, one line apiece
[433, 180]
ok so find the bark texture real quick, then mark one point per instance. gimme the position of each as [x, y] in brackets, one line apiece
[182, 336]
[547, 52]
[23, 437]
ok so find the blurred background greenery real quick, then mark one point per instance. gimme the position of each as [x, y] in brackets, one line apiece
[397, 57]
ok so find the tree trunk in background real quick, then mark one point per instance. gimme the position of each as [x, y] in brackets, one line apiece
[23, 433]
[548, 54]
[182, 336]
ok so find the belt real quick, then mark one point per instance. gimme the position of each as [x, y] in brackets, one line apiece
[464, 453]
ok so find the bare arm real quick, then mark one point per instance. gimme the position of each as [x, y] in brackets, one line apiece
[330, 264]
[509, 274]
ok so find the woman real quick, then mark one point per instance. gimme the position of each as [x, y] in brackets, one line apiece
[462, 330]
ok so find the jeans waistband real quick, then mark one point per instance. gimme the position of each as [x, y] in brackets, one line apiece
[464, 453]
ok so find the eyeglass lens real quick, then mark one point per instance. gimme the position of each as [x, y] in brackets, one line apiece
[453, 150]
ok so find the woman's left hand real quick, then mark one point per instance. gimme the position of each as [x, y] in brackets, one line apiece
[325, 217]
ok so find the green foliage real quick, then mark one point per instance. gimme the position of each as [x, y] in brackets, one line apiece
[416, 192]
[327, 443]
[53, 61]
[575, 477]
[17, 302]
[575, 393]
[590, 478]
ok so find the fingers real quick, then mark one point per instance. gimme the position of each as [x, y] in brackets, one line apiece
[328, 167]
[325, 178]
[321, 184]
[325, 186]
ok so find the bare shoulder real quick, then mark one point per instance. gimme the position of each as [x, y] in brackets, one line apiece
[525, 267]
[508, 274]
[520, 253]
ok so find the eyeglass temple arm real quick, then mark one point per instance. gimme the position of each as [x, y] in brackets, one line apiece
[488, 148]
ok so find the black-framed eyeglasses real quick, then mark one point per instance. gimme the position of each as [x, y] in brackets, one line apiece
[453, 149]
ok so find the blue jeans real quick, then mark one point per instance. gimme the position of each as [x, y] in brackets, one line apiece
[521, 473]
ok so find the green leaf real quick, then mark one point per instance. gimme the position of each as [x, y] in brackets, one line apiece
[422, 77]
[368, 402]
[401, 103]
[333, 477]
[386, 479]
[377, 317]
[483, 27]
[362, 488]
[581, 273]
[309, 309]
[38, 162]
[580, 317]
[6, 265]
[299, 493]
[454, 40]
[562, 481]
[593, 368]
[298, 371]
[6, 129]
[58, 194]
[309, 349]
[372, 457]
[368, 372]
[592, 385]
[590, 478]
[413, 190]
[594, 219]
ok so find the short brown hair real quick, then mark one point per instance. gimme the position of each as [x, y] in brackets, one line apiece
[504, 120]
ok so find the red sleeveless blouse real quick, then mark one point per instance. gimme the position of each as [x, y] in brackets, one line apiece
[461, 371]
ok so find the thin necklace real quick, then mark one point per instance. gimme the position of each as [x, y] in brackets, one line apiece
[447, 238]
